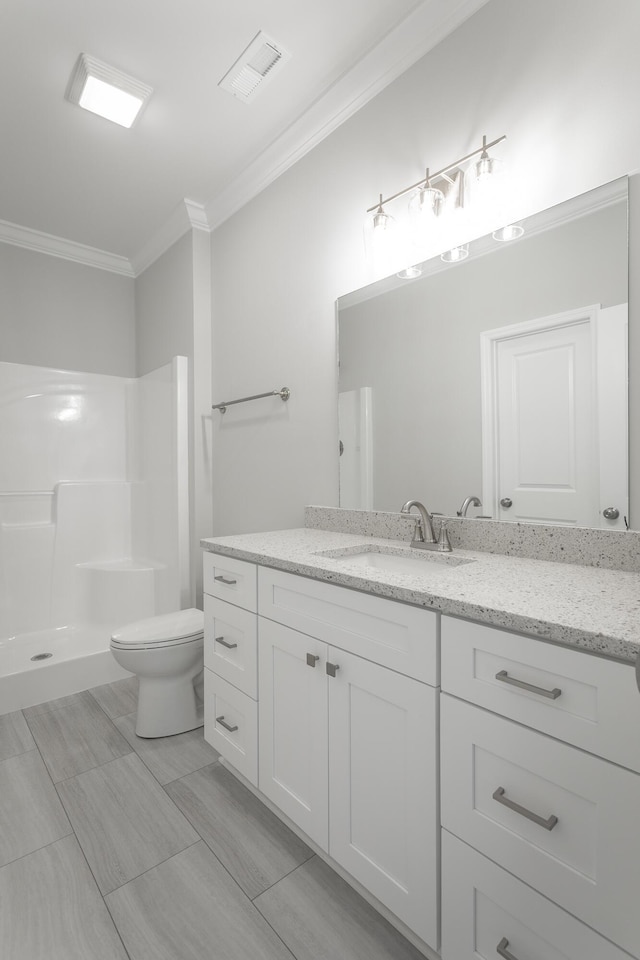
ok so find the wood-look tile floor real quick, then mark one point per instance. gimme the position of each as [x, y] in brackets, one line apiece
[118, 848]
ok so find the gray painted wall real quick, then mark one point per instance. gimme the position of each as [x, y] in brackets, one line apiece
[558, 78]
[56, 313]
[164, 307]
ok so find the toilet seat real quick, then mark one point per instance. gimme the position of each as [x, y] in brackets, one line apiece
[168, 629]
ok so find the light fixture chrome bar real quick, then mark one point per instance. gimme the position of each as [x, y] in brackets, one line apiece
[284, 393]
[439, 174]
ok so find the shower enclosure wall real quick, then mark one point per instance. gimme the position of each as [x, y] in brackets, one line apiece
[94, 520]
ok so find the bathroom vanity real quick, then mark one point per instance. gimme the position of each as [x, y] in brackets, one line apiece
[440, 730]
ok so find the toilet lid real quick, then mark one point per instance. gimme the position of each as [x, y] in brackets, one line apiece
[182, 625]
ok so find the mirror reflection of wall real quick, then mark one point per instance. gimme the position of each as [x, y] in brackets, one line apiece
[417, 345]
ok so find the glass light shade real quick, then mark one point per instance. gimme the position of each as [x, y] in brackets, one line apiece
[511, 232]
[455, 254]
[385, 244]
[425, 204]
[487, 167]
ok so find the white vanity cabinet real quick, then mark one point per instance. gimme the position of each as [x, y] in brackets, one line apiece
[326, 699]
[231, 661]
[348, 747]
[539, 782]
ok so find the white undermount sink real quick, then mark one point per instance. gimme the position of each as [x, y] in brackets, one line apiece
[396, 560]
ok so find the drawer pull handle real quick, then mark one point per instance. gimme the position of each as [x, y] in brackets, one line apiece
[549, 694]
[332, 668]
[226, 725]
[502, 950]
[312, 659]
[548, 824]
[225, 643]
[222, 579]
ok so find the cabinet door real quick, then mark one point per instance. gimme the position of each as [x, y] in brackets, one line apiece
[563, 821]
[383, 783]
[293, 726]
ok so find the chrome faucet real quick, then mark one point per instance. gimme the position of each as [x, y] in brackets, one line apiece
[424, 538]
[424, 526]
[466, 503]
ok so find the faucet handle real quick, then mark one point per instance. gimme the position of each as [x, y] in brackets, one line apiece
[444, 543]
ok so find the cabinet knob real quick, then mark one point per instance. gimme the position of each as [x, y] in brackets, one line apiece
[611, 513]
[332, 668]
[506, 502]
[312, 659]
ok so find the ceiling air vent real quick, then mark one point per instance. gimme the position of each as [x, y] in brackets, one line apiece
[262, 59]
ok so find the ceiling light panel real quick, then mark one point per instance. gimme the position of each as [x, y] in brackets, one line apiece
[102, 89]
[261, 60]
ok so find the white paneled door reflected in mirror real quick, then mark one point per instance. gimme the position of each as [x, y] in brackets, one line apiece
[503, 376]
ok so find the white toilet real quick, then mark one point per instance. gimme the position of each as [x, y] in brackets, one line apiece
[166, 653]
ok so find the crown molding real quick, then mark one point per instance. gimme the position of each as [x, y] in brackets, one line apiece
[188, 215]
[41, 242]
[419, 33]
[410, 40]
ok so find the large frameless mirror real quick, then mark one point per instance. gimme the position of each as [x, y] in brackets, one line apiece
[502, 377]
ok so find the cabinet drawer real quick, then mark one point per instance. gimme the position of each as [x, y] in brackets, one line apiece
[224, 708]
[231, 580]
[495, 773]
[482, 906]
[392, 634]
[231, 644]
[597, 707]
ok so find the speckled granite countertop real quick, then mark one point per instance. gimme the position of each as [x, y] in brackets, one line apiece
[594, 609]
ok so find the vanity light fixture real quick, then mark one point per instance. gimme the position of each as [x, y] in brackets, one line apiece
[442, 208]
[426, 194]
[102, 89]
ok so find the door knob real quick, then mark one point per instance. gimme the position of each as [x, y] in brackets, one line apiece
[506, 502]
[611, 513]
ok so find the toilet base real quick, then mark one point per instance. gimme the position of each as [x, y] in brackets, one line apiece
[167, 707]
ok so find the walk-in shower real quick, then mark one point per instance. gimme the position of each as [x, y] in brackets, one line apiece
[94, 520]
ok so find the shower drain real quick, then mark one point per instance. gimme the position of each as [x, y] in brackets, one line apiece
[42, 656]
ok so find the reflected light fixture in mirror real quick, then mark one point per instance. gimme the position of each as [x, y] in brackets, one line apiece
[455, 254]
[511, 232]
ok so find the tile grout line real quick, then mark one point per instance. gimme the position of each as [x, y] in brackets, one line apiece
[283, 877]
[100, 894]
[149, 869]
[44, 846]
